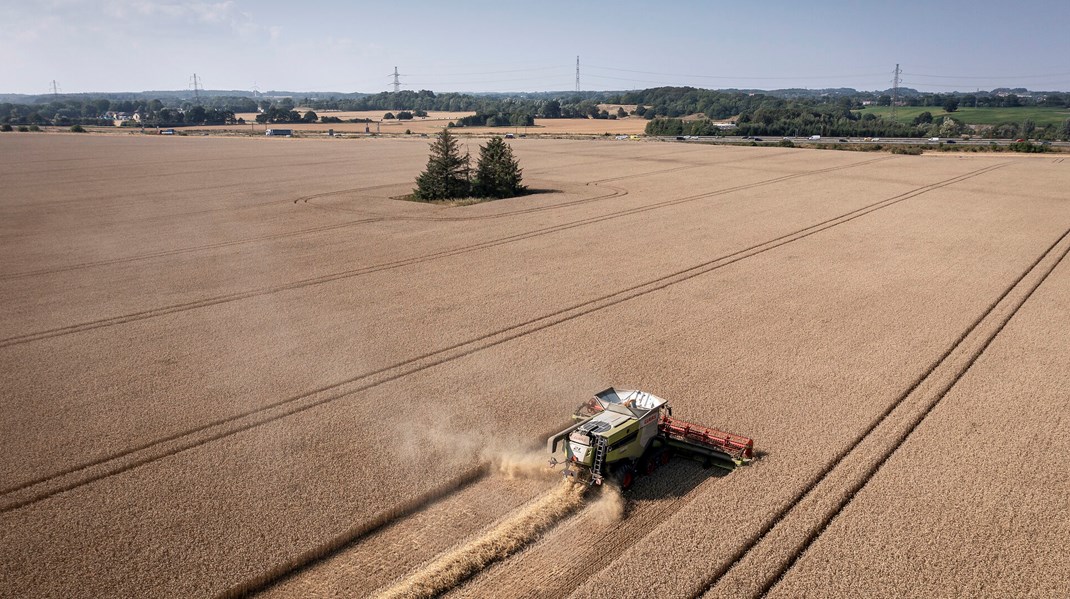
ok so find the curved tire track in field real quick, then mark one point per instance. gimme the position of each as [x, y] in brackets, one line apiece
[211, 246]
[947, 362]
[600, 182]
[84, 473]
[371, 217]
[302, 283]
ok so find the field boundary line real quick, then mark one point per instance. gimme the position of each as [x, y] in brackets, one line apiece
[278, 409]
[301, 283]
[812, 490]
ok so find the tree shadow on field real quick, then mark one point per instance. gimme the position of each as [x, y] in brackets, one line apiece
[469, 201]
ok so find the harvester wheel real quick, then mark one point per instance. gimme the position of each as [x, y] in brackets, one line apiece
[663, 457]
[649, 465]
[626, 476]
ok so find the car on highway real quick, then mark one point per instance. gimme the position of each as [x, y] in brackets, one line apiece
[950, 141]
[934, 139]
[843, 140]
[1019, 140]
[815, 137]
[757, 139]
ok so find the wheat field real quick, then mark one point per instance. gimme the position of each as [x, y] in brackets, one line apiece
[235, 366]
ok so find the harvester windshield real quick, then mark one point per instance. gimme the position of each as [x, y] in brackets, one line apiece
[634, 403]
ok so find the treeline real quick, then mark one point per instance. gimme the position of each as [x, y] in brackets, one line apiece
[102, 111]
[495, 120]
[577, 105]
[795, 121]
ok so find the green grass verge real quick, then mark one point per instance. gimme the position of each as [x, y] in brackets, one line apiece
[1041, 115]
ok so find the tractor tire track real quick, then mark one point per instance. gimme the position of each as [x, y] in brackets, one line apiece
[158, 176]
[40, 488]
[692, 166]
[346, 274]
[600, 182]
[1055, 256]
[212, 246]
[794, 527]
[371, 217]
[187, 250]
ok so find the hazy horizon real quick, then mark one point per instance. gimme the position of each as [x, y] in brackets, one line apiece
[117, 46]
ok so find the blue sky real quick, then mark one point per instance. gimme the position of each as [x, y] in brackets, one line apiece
[134, 45]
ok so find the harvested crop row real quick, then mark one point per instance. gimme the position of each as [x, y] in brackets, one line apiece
[375, 561]
[560, 561]
[499, 543]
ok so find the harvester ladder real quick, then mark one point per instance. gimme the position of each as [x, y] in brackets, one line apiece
[599, 457]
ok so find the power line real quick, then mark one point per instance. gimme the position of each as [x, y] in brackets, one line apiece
[197, 86]
[54, 89]
[397, 80]
[895, 94]
[970, 77]
[732, 76]
[558, 67]
[577, 73]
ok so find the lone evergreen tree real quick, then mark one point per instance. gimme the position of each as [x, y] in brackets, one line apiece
[497, 173]
[447, 171]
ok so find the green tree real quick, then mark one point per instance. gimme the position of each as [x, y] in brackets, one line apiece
[310, 117]
[924, 118]
[951, 104]
[447, 174]
[497, 172]
[1027, 128]
[551, 109]
[196, 115]
[1064, 131]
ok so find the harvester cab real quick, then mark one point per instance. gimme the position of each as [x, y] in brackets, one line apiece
[625, 434]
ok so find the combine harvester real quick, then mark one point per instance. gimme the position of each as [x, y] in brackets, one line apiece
[629, 433]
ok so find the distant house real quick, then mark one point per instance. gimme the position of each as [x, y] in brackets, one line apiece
[117, 118]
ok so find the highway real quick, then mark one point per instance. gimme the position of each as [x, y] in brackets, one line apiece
[806, 140]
